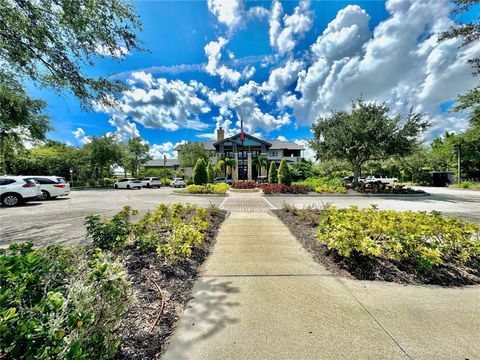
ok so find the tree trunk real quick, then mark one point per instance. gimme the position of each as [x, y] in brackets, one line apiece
[357, 172]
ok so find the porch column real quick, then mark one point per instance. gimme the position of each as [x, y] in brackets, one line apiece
[235, 168]
[249, 166]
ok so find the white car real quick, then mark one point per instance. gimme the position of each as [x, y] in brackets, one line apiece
[51, 186]
[177, 182]
[16, 190]
[151, 182]
[128, 183]
[383, 179]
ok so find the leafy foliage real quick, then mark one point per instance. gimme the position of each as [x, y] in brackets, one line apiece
[110, 232]
[244, 185]
[200, 175]
[283, 189]
[427, 239]
[366, 132]
[53, 42]
[189, 153]
[220, 188]
[137, 154]
[302, 170]
[284, 173]
[210, 173]
[59, 302]
[324, 184]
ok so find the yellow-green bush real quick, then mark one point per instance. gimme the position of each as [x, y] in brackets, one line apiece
[427, 238]
[220, 188]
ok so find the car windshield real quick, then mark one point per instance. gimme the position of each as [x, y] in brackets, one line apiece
[61, 180]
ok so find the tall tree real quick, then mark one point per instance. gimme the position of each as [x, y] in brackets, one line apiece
[210, 172]
[469, 33]
[137, 151]
[190, 152]
[284, 173]
[229, 164]
[260, 162]
[104, 153]
[53, 41]
[21, 120]
[366, 132]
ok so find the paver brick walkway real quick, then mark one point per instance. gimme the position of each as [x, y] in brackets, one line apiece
[262, 296]
[247, 202]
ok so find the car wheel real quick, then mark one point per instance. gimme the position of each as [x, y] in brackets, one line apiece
[148, 185]
[11, 200]
[45, 195]
[115, 186]
[128, 186]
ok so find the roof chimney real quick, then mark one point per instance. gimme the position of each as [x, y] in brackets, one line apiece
[220, 134]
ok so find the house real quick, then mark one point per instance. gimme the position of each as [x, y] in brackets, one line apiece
[245, 151]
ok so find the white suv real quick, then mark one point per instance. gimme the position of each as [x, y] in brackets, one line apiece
[177, 182]
[15, 190]
[51, 186]
[128, 183]
[382, 179]
[151, 182]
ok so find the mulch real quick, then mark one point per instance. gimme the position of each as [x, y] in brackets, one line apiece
[361, 267]
[176, 282]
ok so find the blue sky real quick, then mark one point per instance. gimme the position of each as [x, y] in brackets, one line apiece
[280, 65]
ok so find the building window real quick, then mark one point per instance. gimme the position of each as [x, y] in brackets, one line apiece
[273, 153]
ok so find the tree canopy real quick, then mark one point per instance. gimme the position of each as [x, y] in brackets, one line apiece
[137, 154]
[366, 132]
[190, 152]
[52, 42]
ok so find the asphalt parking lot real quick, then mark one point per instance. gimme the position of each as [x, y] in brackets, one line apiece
[60, 221]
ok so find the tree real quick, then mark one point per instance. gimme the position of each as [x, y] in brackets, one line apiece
[210, 173]
[229, 164]
[365, 133]
[21, 120]
[104, 152]
[137, 151]
[272, 173]
[53, 42]
[469, 33]
[302, 170]
[200, 176]
[260, 162]
[220, 168]
[284, 173]
[189, 154]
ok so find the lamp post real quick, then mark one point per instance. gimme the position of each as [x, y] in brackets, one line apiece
[71, 176]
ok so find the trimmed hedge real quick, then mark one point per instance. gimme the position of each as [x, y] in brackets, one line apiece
[283, 189]
[244, 185]
[219, 188]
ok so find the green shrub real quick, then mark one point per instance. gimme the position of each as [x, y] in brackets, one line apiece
[107, 182]
[272, 173]
[323, 184]
[428, 239]
[165, 181]
[220, 188]
[200, 176]
[467, 185]
[60, 303]
[110, 232]
[210, 173]
[284, 173]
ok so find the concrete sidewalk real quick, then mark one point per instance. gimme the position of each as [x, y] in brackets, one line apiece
[263, 297]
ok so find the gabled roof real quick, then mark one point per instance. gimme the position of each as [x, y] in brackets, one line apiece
[159, 163]
[236, 139]
[280, 145]
[207, 144]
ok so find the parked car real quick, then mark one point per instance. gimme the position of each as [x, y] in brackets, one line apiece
[51, 186]
[349, 179]
[16, 190]
[381, 178]
[151, 182]
[177, 182]
[128, 183]
[223, 180]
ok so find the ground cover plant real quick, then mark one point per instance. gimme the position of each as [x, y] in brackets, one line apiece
[283, 189]
[244, 185]
[61, 303]
[406, 247]
[323, 184]
[220, 188]
[467, 185]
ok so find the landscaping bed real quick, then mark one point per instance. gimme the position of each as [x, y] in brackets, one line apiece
[214, 189]
[334, 244]
[176, 281]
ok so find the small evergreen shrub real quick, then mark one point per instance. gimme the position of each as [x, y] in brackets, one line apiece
[272, 173]
[210, 173]
[284, 173]
[200, 176]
